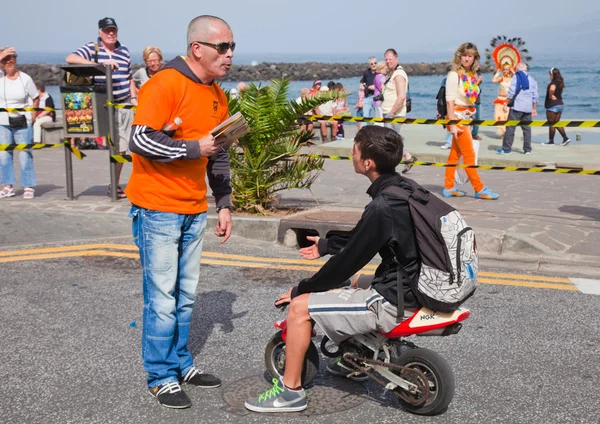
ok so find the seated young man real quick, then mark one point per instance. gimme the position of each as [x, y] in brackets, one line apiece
[385, 225]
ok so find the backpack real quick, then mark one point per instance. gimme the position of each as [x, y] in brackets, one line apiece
[447, 250]
[442, 107]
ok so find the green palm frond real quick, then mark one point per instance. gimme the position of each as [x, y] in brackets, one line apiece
[266, 161]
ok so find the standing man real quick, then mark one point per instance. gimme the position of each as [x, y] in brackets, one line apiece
[524, 89]
[368, 80]
[167, 190]
[108, 50]
[394, 99]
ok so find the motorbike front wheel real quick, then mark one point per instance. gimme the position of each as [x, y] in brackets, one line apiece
[440, 380]
[275, 359]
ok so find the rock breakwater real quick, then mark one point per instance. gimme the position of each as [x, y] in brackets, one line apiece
[51, 74]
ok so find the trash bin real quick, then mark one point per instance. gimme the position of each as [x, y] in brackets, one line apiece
[83, 102]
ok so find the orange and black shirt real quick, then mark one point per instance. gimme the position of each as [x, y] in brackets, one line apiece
[169, 173]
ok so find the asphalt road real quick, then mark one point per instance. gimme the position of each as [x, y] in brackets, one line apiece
[71, 352]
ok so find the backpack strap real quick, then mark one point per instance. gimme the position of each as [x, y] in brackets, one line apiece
[405, 192]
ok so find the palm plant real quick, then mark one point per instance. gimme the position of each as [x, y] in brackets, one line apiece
[501, 39]
[266, 161]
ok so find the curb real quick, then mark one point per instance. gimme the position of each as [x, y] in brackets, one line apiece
[502, 249]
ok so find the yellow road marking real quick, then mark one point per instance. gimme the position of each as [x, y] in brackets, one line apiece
[213, 258]
[529, 284]
[68, 248]
[526, 277]
[54, 255]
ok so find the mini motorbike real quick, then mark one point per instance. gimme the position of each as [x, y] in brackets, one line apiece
[420, 378]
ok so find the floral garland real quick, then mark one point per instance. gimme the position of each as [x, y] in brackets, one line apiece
[469, 82]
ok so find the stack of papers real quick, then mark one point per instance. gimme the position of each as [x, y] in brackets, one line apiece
[232, 129]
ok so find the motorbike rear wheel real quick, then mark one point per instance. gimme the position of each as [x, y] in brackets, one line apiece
[439, 378]
[275, 359]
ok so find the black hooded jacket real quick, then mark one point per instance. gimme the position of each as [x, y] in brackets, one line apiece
[385, 224]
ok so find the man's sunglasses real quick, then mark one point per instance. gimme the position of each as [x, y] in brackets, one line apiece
[221, 48]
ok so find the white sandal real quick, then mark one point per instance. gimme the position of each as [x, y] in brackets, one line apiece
[29, 193]
[7, 191]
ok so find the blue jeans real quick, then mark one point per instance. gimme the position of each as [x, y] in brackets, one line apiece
[9, 135]
[477, 117]
[368, 110]
[170, 248]
[448, 141]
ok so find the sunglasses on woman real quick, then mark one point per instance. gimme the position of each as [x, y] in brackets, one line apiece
[221, 48]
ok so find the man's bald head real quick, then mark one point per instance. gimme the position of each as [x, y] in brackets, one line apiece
[202, 26]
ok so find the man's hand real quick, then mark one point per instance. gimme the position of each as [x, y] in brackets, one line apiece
[311, 252]
[224, 225]
[533, 113]
[210, 145]
[284, 298]
[113, 64]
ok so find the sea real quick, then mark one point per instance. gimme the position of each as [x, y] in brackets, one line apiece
[581, 74]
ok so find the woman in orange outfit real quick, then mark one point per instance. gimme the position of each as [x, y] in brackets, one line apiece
[461, 93]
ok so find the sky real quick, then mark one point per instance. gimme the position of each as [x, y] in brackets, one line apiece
[269, 26]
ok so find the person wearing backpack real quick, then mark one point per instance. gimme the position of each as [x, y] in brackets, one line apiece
[386, 228]
[462, 91]
[442, 111]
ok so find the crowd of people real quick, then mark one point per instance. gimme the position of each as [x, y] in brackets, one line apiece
[383, 92]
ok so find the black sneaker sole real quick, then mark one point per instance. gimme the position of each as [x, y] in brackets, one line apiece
[170, 406]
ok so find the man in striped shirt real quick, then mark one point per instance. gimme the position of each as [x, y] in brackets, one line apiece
[110, 51]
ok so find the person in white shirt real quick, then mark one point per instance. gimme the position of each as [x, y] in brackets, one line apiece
[17, 90]
[46, 100]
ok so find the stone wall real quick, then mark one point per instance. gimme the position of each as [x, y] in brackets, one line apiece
[51, 74]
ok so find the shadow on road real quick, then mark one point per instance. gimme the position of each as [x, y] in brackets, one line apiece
[42, 189]
[592, 213]
[211, 309]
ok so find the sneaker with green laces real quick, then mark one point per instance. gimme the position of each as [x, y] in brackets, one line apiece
[278, 399]
[338, 367]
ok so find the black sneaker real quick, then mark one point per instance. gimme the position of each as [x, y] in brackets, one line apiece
[337, 367]
[170, 395]
[197, 378]
[565, 142]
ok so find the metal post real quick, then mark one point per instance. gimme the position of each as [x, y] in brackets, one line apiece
[111, 132]
[69, 171]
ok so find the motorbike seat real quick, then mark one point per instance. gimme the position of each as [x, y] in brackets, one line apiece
[425, 320]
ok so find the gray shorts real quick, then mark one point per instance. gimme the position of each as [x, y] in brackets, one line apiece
[342, 313]
[123, 122]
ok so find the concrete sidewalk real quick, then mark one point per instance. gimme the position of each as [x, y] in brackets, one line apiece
[425, 141]
[542, 222]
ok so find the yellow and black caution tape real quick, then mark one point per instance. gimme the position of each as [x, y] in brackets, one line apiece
[483, 167]
[9, 147]
[120, 105]
[127, 158]
[37, 146]
[27, 109]
[481, 123]
[120, 158]
[76, 152]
